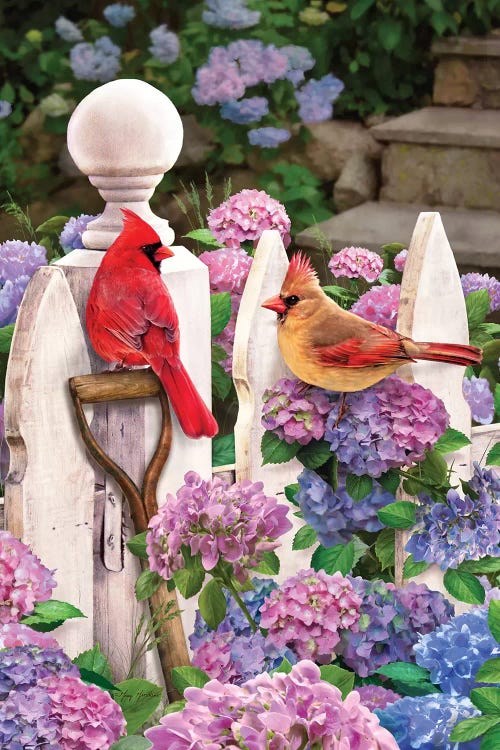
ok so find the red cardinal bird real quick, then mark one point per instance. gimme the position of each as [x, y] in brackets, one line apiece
[334, 349]
[131, 319]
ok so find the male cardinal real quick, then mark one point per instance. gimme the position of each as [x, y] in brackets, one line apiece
[131, 319]
[334, 349]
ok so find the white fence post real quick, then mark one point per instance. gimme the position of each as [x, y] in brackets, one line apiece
[125, 135]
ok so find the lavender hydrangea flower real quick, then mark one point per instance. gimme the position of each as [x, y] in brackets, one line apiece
[99, 61]
[299, 60]
[278, 711]
[19, 259]
[478, 395]
[389, 624]
[165, 44]
[316, 98]
[5, 109]
[68, 30]
[268, 137]
[219, 80]
[257, 62]
[400, 260]
[473, 282]
[455, 650]
[230, 14]
[23, 667]
[71, 235]
[236, 523]
[379, 304]
[386, 426]
[376, 696]
[11, 295]
[245, 215]
[242, 112]
[309, 611]
[294, 414]
[356, 262]
[485, 478]
[25, 721]
[425, 722]
[462, 528]
[333, 514]
[119, 14]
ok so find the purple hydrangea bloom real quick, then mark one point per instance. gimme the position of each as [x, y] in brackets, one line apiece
[376, 696]
[5, 109]
[23, 666]
[165, 44]
[478, 395]
[258, 63]
[219, 80]
[119, 14]
[485, 479]
[268, 137]
[473, 282]
[236, 523]
[316, 98]
[390, 622]
[242, 112]
[380, 305]
[19, 259]
[11, 295]
[230, 14]
[333, 514]
[71, 235]
[68, 30]
[295, 414]
[455, 650]
[462, 528]
[386, 426]
[99, 61]
[425, 722]
[25, 721]
[400, 261]
[299, 60]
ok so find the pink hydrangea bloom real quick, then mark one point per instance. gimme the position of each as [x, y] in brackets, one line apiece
[376, 696]
[295, 414]
[245, 215]
[355, 262]
[236, 523]
[279, 711]
[379, 305]
[400, 260]
[23, 579]
[89, 718]
[228, 269]
[213, 656]
[14, 634]
[307, 611]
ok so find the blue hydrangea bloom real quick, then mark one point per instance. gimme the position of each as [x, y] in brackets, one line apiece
[165, 45]
[71, 235]
[485, 479]
[299, 60]
[118, 14]
[5, 109]
[478, 395]
[230, 14]
[18, 262]
[316, 98]
[251, 109]
[425, 722]
[268, 137]
[68, 30]
[455, 650]
[95, 62]
[23, 666]
[334, 515]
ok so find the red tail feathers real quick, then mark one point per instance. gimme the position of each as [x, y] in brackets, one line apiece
[194, 416]
[455, 354]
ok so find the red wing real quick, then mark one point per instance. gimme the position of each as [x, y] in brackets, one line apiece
[126, 322]
[159, 308]
[382, 347]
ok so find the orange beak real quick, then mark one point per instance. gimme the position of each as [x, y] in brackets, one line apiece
[275, 303]
[163, 253]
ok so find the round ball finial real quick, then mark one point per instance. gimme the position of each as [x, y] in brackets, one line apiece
[125, 135]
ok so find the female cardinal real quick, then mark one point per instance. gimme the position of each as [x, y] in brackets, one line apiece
[131, 319]
[334, 349]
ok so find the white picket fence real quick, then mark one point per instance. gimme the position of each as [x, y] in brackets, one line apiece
[56, 499]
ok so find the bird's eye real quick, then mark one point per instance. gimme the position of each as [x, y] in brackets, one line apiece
[291, 301]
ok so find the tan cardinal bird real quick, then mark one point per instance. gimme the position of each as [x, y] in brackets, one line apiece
[334, 349]
[131, 319]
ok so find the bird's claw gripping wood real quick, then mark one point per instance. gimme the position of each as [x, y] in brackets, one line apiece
[117, 386]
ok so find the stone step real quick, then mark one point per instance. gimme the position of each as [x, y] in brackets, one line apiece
[467, 46]
[473, 235]
[467, 73]
[443, 126]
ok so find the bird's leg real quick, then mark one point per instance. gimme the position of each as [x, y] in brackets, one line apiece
[343, 409]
